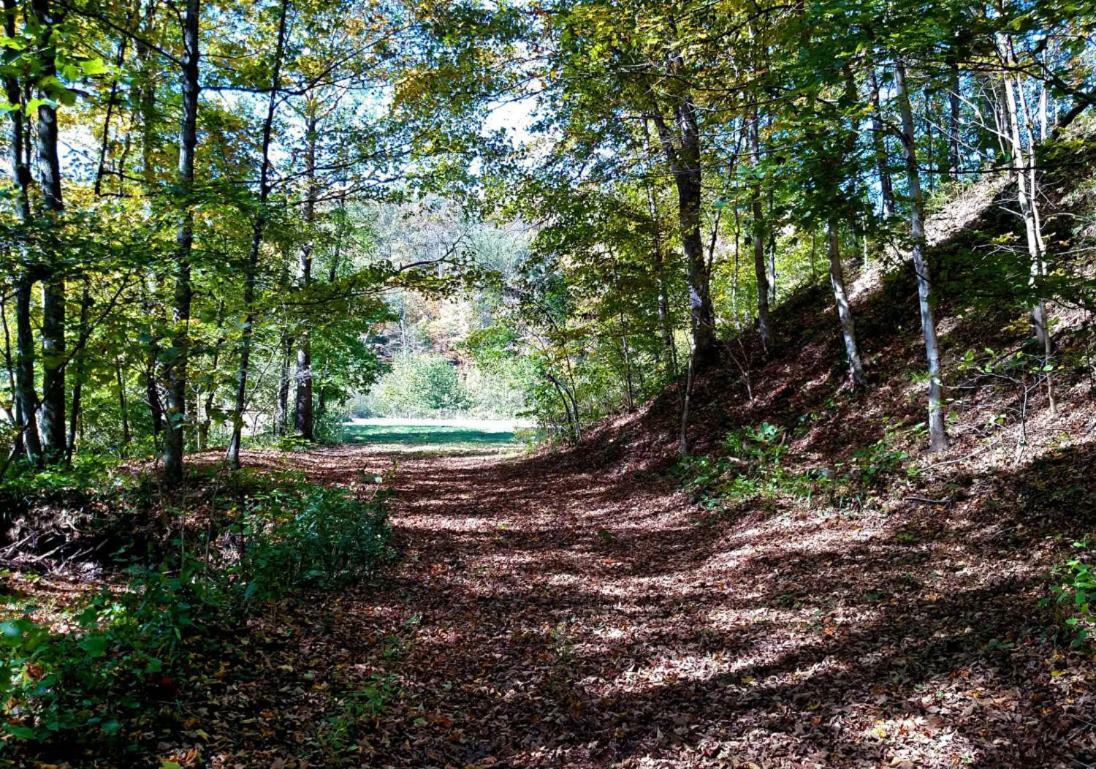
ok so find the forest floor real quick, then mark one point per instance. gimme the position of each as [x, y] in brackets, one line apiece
[543, 615]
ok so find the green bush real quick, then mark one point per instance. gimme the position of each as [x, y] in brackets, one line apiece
[1075, 593]
[418, 385]
[317, 538]
[128, 651]
[752, 466]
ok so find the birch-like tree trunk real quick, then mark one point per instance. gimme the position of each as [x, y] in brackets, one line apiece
[25, 395]
[176, 366]
[1024, 165]
[844, 312]
[304, 416]
[51, 420]
[757, 233]
[879, 146]
[258, 230]
[938, 438]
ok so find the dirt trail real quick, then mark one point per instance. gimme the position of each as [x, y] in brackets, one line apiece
[547, 617]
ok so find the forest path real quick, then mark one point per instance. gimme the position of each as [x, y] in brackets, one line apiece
[544, 616]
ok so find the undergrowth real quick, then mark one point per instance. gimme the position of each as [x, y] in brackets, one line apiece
[752, 466]
[105, 671]
[1074, 591]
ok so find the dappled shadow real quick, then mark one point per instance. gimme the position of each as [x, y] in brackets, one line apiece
[548, 617]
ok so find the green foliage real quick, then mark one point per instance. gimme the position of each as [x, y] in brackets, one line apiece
[751, 466]
[128, 648]
[419, 385]
[1075, 596]
[309, 538]
[340, 730]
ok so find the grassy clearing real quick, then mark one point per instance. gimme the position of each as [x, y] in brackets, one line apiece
[446, 435]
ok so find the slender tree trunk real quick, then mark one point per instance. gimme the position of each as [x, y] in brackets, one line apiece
[683, 433]
[879, 143]
[757, 234]
[112, 100]
[658, 258]
[844, 313]
[206, 420]
[684, 160]
[304, 418]
[9, 361]
[257, 232]
[938, 438]
[281, 416]
[25, 396]
[1025, 178]
[176, 368]
[52, 409]
[953, 119]
[26, 404]
[123, 408]
[79, 370]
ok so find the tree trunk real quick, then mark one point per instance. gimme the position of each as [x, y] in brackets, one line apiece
[938, 438]
[123, 409]
[176, 368]
[879, 142]
[844, 313]
[659, 263]
[757, 235]
[953, 120]
[24, 395]
[26, 398]
[684, 161]
[79, 369]
[304, 418]
[257, 231]
[52, 409]
[1024, 176]
[281, 416]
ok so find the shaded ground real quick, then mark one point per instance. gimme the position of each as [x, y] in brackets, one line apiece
[545, 616]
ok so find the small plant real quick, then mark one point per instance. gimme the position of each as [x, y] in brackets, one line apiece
[128, 649]
[749, 468]
[340, 730]
[1075, 596]
[315, 537]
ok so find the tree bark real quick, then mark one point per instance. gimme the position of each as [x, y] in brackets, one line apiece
[25, 396]
[79, 369]
[304, 418]
[938, 438]
[879, 144]
[844, 313]
[52, 408]
[257, 231]
[176, 368]
[757, 234]
[123, 409]
[281, 414]
[953, 119]
[683, 156]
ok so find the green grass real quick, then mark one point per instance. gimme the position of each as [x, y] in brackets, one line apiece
[432, 435]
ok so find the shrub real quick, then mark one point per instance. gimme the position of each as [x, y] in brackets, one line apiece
[128, 649]
[418, 385]
[1075, 593]
[125, 653]
[316, 538]
[752, 466]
